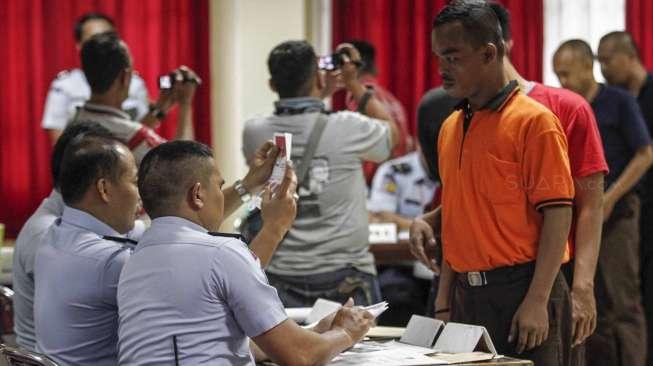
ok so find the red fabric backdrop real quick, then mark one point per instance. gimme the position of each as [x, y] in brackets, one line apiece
[638, 22]
[401, 32]
[37, 42]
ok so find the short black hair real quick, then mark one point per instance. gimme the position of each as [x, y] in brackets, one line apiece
[104, 56]
[292, 65]
[577, 45]
[368, 56]
[623, 42]
[477, 19]
[79, 25]
[85, 160]
[168, 170]
[72, 131]
[503, 15]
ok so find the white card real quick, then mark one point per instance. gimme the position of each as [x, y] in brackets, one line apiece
[284, 142]
[421, 331]
[322, 308]
[462, 338]
[383, 233]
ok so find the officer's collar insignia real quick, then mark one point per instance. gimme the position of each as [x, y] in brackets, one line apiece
[120, 239]
[226, 235]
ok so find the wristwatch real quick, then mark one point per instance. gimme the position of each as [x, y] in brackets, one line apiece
[244, 194]
[157, 112]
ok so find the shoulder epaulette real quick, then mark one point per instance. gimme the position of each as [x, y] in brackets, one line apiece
[226, 235]
[402, 168]
[120, 239]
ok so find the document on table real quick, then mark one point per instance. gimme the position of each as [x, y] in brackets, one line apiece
[381, 354]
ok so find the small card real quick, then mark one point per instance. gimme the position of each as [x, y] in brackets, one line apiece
[464, 338]
[322, 308]
[385, 233]
[377, 309]
[421, 331]
[284, 142]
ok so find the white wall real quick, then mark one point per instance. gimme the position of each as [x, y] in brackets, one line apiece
[588, 20]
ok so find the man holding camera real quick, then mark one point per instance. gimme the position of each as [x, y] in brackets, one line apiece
[325, 253]
[107, 66]
[70, 89]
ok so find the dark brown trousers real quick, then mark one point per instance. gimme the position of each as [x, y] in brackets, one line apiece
[494, 305]
[620, 336]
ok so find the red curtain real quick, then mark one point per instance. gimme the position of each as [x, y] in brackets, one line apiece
[638, 22]
[37, 42]
[401, 32]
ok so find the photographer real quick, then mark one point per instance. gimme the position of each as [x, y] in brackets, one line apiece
[107, 66]
[325, 253]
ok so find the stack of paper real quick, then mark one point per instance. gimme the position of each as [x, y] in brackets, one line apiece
[377, 309]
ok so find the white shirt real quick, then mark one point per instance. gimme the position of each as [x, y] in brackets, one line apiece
[70, 90]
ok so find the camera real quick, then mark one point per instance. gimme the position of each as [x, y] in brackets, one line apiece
[334, 61]
[167, 81]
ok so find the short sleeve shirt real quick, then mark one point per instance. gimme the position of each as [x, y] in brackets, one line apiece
[499, 166]
[205, 293]
[331, 229]
[27, 244]
[139, 138]
[401, 186]
[76, 277]
[70, 90]
[586, 155]
[622, 127]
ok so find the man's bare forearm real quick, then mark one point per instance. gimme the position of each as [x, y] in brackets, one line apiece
[589, 222]
[265, 244]
[434, 218]
[445, 282]
[375, 109]
[403, 223]
[550, 251]
[185, 122]
[634, 171]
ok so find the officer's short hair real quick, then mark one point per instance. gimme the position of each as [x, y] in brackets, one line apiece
[168, 171]
[479, 21]
[79, 25]
[85, 160]
[623, 42]
[292, 65]
[72, 131]
[104, 56]
[503, 15]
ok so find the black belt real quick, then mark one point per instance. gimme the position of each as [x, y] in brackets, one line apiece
[497, 276]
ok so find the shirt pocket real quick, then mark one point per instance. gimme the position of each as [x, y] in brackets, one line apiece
[500, 180]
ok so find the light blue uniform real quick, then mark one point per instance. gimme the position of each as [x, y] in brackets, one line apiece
[76, 277]
[207, 292]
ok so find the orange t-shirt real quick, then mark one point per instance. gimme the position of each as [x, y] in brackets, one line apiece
[511, 162]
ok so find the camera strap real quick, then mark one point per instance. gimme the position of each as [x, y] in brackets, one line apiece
[311, 147]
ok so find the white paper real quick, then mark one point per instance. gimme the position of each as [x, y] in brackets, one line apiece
[377, 309]
[421, 331]
[321, 308]
[284, 142]
[383, 233]
[299, 315]
[462, 338]
[381, 354]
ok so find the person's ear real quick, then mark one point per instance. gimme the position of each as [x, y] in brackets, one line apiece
[196, 196]
[103, 188]
[490, 53]
[271, 85]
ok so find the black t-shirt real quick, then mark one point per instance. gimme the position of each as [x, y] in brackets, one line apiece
[622, 126]
[645, 100]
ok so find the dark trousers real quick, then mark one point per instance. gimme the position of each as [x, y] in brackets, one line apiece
[494, 305]
[302, 291]
[646, 245]
[620, 336]
[406, 294]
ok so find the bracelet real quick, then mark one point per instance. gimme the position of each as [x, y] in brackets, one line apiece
[362, 103]
[445, 310]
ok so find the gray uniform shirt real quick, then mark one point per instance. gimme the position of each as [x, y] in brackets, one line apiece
[27, 243]
[209, 292]
[76, 277]
[70, 90]
[331, 229]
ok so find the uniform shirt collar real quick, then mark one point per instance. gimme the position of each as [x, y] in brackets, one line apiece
[105, 109]
[56, 201]
[178, 222]
[84, 220]
[498, 101]
[290, 106]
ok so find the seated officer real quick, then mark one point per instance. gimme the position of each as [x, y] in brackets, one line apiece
[29, 238]
[192, 296]
[77, 268]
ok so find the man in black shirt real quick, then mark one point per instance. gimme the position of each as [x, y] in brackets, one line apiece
[622, 66]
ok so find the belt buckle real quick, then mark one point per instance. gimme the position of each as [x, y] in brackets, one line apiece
[475, 279]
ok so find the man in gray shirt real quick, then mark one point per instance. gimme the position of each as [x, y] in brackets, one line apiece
[77, 267]
[191, 296]
[29, 239]
[325, 253]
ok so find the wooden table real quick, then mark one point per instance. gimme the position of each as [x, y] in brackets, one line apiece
[394, 253]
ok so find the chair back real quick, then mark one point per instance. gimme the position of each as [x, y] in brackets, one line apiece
[21, 357]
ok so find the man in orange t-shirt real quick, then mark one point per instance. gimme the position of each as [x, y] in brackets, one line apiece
[507, 194]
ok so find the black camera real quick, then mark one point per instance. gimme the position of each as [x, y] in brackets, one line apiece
[334, 61]
[167, 81]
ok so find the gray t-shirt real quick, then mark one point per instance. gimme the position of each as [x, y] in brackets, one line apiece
[27, 243]
[207, 292]
[331, 229]
[76, 276]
